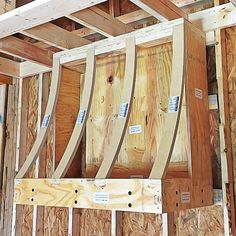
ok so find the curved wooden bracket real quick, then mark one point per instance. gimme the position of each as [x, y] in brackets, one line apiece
[83, 114]
[48, 117]
[112, 150]
[172, 118]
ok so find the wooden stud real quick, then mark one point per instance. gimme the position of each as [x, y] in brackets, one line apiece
[81, 119]
[112, 150]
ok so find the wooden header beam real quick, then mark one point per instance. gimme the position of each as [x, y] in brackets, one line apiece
[5, 79]
[9, 67]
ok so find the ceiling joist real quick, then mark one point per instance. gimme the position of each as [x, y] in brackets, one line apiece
[101, 22]
[163, 10]
[39, 12]
[22, 49]
[55, 36]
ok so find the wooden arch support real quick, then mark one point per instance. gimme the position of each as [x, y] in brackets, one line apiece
[83, 114]
[48, 117]
[172, 118]
[112, 150]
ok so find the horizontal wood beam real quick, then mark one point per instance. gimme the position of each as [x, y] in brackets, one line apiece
[19, 48]
[5, 79]
[101, 22]
[28, 68]
[56, 36]
[208, 20]
[39, 12]
[9, 67]
[163, 10]
[120, 194]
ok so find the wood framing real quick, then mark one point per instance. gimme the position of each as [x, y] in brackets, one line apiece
[176, 97]
[100, 22]
[55, 85]
[112, 150]
[82, 117]
[56, 36]
[9, 67]
[163, 10]
[21, 49]
[39, 12]
[157, 194]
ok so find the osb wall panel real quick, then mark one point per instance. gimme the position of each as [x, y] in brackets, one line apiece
[136, 224]
[231, 73]
[198, 222]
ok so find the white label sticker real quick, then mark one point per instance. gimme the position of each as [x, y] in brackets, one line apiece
[135, 129]
[45, 121]
[173, 104]
[123, 110]
[185, 197]
[198, 93]
[80, 117]
[101, 197]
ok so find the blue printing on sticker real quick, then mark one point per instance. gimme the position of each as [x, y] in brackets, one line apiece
[1, 119]
[80, 117]
[45, 121]
[173, 104]
[123, 110]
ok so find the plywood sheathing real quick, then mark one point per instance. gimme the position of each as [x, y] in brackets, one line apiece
[150, 103]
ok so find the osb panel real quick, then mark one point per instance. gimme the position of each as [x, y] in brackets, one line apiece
[198, 222]
[231, 70]
[139, 224]
[154, 66]
[94, 223]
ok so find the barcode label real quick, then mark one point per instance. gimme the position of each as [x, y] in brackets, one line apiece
[80, 117]
[185, 197]
[135, 129]
[198, 93]
[101, 197]
[123, 110]
[45, 121]
[173, 104]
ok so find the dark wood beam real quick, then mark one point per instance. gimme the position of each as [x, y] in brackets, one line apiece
[19, 48]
